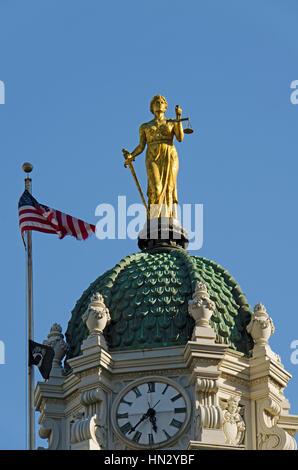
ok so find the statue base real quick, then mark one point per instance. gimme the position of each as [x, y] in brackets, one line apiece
[162, 234]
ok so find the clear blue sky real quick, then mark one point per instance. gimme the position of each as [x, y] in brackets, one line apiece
[79, 77]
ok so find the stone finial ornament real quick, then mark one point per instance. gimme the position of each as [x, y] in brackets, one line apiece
[233, 424]
[97, 315]
[56, 341]
[201, 307]
[260, 326]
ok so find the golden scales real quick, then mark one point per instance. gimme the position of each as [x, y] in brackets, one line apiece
[188, 129]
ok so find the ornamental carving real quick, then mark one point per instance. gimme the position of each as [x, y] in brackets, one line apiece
[270, 436]
[260, 326]
[55, 340]
[233, 423]
[201, 306]
[97, 315]
[92, 427]
[207, 386]
[209, 414]
[208, 417]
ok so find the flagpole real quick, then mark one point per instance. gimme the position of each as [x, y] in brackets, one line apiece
[28, 167]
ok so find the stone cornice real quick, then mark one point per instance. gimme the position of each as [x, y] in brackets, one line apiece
[47, 390]
[195, 351]
[164, 372]
[196, 445]
[233, 379]
[70, 384]
[262, 367]
[235, 365]
[98, 357]
[289, 423]
[148, 360]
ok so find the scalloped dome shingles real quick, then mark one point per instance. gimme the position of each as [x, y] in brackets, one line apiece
[147, 296]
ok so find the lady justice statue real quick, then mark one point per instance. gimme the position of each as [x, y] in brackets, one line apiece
[162, 226]
[161, 158]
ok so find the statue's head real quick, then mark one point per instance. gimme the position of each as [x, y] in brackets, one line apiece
[233, 404]
[154, 99]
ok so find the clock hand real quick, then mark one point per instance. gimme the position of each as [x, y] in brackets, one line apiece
[153, 422]
[155, 404]
[145, 415]
[149, 414]
[152, 418]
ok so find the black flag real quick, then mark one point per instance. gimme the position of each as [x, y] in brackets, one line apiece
[41, 356]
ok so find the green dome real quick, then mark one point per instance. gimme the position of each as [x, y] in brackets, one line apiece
[147, 296]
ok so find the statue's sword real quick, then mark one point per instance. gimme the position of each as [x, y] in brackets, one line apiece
[128, 163]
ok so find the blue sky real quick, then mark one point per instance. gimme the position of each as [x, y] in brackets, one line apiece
[79, 77]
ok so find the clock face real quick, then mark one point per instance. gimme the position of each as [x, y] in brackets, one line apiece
[151, 413]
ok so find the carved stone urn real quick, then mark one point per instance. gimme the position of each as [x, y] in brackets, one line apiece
[56, 341]
[97, 315]
[201, 307]
[260, 326]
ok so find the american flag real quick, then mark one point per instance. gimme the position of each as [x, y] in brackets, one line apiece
[35, 216]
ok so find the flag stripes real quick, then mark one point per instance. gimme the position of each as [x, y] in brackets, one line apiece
[35, 216]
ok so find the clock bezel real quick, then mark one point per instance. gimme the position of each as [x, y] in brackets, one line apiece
[144, 380]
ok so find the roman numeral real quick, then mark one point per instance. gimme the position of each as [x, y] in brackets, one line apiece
[122, 415]
[151, 387]
[165, 389]
[129, 403]
[175, 423]
[151, 440]
[166, 434]
[137, 392]
[176, 397]
[137, 436]
[125, 428]
[180, 410]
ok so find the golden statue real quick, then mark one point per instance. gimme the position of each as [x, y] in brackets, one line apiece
[161, 159]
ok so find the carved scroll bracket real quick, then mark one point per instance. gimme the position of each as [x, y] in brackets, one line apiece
[270, 436]
[90, 431]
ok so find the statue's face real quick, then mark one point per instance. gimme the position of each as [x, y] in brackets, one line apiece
[233, 406]
[159, 105]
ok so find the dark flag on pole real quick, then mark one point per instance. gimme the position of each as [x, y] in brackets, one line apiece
[41, 356]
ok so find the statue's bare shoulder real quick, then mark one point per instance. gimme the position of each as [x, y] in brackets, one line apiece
[148, 125]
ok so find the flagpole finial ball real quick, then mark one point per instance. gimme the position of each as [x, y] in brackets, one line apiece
[27, 167]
